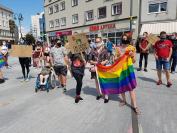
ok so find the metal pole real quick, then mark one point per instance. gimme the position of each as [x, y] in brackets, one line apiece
[131, 10]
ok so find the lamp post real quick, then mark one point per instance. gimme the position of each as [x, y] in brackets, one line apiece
[131, 10]
[20, 19]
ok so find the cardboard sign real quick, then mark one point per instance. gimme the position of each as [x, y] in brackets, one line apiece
[78, 43]
[152, 39]
[21, 51]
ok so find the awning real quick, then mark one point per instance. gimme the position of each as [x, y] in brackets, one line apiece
[156, 28]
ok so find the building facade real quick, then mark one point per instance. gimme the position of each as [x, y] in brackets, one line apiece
[103, 18]
[6, 14]
[36, 21]
[158, 15]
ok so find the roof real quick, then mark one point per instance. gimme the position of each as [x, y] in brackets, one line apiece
[6, 8]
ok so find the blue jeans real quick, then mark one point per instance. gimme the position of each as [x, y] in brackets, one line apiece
[162, 63]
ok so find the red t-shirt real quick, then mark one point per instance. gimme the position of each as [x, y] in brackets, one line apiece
[144, 44]
[162, 48]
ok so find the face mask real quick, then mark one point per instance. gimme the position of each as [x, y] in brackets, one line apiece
[99, 44]
[125, 41]
[173, 37]
[4, 43]
[162, 38]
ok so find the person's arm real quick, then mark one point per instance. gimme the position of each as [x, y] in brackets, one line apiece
[171, 51]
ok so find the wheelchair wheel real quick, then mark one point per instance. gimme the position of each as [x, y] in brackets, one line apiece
[53, 81]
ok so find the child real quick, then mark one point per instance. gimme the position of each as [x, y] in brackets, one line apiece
[44, 75]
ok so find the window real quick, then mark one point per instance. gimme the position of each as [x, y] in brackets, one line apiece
[50, 0]
[89, 15]
[63, 21]
[74, 2]
[51, 24]
[56, 8]
[88, 0]
[102, 12]
[117, 9]
[75, 19]
[157, 7]
[62, 6]
[50, 10]
[57, 22]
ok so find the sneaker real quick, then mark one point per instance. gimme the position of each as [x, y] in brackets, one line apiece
[27, 80]
[64, 89]
[159, 82]
[106, 100]
[145, 70]
[80, 98]
[169, 84]
[77, 99]
[173, 72]
[139, 69]
[22, 80]
[98, 97]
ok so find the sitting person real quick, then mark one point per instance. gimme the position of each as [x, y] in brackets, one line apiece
[44, 75]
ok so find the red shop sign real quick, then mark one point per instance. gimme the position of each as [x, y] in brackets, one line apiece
[66, 33]
[102, 27]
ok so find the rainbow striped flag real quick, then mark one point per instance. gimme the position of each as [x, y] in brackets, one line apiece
[2, 62]
[118, 78]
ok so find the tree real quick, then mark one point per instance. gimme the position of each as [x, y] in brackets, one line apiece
[30, 39]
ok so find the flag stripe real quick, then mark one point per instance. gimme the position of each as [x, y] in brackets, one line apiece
[119, 83]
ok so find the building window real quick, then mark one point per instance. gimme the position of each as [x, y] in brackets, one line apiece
[102, 12]
[57, 22]
[56, 7]
[62, 6]
[50, 10]
[117, 9]
[89, 15]
[51, 24]
[75, 19]
[157, 7]
[74, 2]
[63, 21]
[88, 0]
[50, 0]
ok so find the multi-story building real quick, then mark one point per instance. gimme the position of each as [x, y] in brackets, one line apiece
[42, 27]
[36, 25]
[6, 14]
[158, 15]
[104, 18]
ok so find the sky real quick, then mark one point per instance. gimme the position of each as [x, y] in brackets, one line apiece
[26, 7]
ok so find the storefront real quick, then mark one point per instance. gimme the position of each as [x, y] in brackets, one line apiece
[107, 31]
[63, 35]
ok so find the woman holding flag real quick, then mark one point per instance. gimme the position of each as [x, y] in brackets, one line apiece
[127, 48]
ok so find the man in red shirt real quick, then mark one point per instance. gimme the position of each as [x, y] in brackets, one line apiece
[163, 52]
[144, 52]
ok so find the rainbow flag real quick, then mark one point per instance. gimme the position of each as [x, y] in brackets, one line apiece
[118, 78]
[2, 62]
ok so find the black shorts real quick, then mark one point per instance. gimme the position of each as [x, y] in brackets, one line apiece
[46, 54]
[93, 75]
[61, 70]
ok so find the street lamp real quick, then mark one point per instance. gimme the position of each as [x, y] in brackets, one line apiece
[20, 19]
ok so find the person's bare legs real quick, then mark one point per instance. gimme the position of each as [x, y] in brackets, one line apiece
[97, 86]
[159, 74]
[1, 74]
[167, 73]
[134, 103]
[123, 102]
[41, 79]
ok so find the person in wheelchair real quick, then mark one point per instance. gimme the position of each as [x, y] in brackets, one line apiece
[44, 74]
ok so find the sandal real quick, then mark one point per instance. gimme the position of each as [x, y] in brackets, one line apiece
[137, 111]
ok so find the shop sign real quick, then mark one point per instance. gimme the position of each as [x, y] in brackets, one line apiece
[102, 27]
[64, 33]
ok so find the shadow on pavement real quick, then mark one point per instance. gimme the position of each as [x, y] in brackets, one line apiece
[147, 79]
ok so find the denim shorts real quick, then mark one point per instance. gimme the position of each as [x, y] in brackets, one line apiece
[162, 63]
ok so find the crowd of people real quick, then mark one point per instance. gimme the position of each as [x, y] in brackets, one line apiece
[99, 52]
